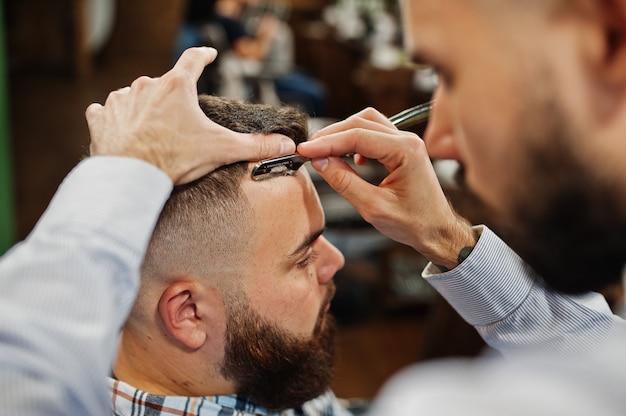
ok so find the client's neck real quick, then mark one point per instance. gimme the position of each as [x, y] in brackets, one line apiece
[165, 370]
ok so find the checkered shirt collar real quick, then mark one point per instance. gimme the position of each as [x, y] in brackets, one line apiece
[129, 401]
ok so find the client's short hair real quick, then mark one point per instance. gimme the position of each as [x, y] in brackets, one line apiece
[204, 225]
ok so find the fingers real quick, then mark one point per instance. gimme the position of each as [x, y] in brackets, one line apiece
[360, 134]
[342, 142]
[253, 147]
[92, 115]
[360, 160]
[372, 115]
[92, 110]
[192, 62]
[159, 120]
[343, 179]
[391, 150]
[95, 109]
[137, 84]
[235, 147]
[266, 146]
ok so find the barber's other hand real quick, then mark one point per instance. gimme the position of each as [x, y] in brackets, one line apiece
[409, 205]
[159, 120]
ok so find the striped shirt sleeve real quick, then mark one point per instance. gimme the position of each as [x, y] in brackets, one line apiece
[500, 295]
[66, 290]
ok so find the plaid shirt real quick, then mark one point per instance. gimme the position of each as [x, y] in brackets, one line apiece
[128, 401]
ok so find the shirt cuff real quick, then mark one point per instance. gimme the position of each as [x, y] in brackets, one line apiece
[489, 285]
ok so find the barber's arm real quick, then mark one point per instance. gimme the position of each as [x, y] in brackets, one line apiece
[499, 294]
[481, 277]
[409, 205]
[66, 290]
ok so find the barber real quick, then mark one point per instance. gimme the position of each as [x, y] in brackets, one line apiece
[531, 102]
[60, 288]
[482, 278]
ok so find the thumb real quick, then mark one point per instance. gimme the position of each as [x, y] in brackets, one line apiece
[231, 147]
[255, 147]
[343, 179]
[237, 147]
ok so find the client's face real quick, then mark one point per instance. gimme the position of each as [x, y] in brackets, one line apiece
[280, 337]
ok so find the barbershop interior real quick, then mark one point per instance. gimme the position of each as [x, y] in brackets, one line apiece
[343, 55]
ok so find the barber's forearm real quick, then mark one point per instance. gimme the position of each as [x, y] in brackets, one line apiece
[448, 246]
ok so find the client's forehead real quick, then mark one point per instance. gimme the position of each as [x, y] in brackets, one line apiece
[284, 209]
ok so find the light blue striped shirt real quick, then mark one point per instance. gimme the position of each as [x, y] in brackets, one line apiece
[66, 290]
[497, 293]
[570, 352]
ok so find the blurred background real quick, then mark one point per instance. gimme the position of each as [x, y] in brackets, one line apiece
[58, 56]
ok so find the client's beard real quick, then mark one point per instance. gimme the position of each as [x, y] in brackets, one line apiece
[566, 223]
[274, 367]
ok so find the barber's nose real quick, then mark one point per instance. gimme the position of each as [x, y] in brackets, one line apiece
[331, 260]
[439, 136]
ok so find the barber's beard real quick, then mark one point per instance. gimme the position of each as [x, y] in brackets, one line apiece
[567, 224]
[276, 369]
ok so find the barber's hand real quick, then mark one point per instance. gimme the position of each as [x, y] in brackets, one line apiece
[160, 121]
[409, 205]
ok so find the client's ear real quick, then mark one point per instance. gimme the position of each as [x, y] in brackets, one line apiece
[181, 313]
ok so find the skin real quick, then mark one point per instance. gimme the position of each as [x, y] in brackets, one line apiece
[294, 271]
[174, 135]
[512, 74]
[287, 282]
[457, 130]
[545, 168]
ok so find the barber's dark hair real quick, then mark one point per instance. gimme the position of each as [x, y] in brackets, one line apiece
[206, 221]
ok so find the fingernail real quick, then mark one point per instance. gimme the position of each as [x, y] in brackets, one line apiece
[287, 146]
[320, 165]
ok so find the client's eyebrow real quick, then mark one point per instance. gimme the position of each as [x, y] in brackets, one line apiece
[306, 243]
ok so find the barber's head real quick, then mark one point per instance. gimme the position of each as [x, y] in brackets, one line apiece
[532, 102]
[237, 281]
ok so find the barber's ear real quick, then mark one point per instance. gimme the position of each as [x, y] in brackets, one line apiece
[600, 30]
[613, 57]
[181, 314]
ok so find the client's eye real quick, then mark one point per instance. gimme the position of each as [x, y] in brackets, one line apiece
[309, 259]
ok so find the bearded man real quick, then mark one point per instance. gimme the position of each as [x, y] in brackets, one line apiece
[231, 315]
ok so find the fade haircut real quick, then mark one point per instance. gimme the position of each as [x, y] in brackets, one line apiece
[204, 227]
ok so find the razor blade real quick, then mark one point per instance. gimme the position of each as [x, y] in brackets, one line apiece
[289, 165]
[278, 166]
